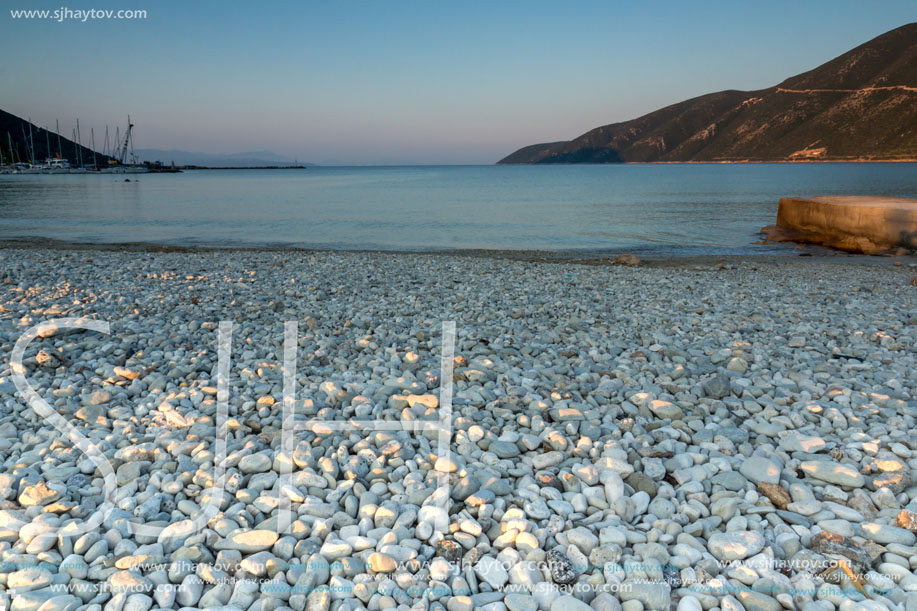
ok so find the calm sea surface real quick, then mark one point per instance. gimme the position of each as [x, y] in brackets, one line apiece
[671, 209]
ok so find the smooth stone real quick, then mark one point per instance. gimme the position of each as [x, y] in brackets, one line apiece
[38, 494]
[666, 410]
[655, 596]
[25, 580]
[249, 541]
[797, 442]
[255, 463]
[318, 600]
[718, 387]
[520, 602]
[548, 459]
[490, 569]
[446, 464]
[756, 601]
[164, 595]
[172, 536]
[190, 590]
[583, 538]
[736, 545]
[457, 603]
[504, 449]
[791, 517]
[730, 480]
[806, 508]
[61, 602]
[137, 602]
[759, 469]
[381, 563]
[833, 473]
[838, 527]
[75, 566]
[886, 534]
[32, 601]
[334, 550]
[689, 603]
[568, 603]
[128, 582]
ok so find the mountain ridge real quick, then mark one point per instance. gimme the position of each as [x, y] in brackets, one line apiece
[861, 105]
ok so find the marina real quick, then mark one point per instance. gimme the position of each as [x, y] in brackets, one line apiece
[117, 159]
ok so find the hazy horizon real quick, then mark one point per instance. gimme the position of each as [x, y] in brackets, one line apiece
[407, 82]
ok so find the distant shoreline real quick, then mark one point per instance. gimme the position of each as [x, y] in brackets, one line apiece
[724, 162]
[257, 167]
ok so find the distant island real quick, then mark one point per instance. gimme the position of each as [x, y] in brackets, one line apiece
[860, 106]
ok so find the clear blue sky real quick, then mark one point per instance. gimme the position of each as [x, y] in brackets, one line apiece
[392, 81]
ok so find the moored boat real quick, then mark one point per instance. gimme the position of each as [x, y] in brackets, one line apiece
[56, 166]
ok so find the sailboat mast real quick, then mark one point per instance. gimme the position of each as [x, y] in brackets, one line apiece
[92, 141]
[78, 142]
[60, 151]
[25, 139]
[31, 142]
[130, 138]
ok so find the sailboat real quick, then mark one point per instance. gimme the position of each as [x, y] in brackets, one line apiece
[124, 164]
[79, 169]
[29, 166]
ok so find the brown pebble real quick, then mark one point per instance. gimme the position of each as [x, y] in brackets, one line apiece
[449, 550]
[907, 519]
[829, 543]
[778, 496]
[896, 481]
[546, 479]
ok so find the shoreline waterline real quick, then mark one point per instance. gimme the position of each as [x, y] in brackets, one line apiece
[789, 254]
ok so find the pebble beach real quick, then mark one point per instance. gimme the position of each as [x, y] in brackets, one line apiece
[689, 436]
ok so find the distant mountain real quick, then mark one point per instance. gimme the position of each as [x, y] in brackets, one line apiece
[216, 160]
[859, 106]
[15, 143]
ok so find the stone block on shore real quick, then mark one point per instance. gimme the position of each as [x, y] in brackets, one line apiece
[867, 225]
